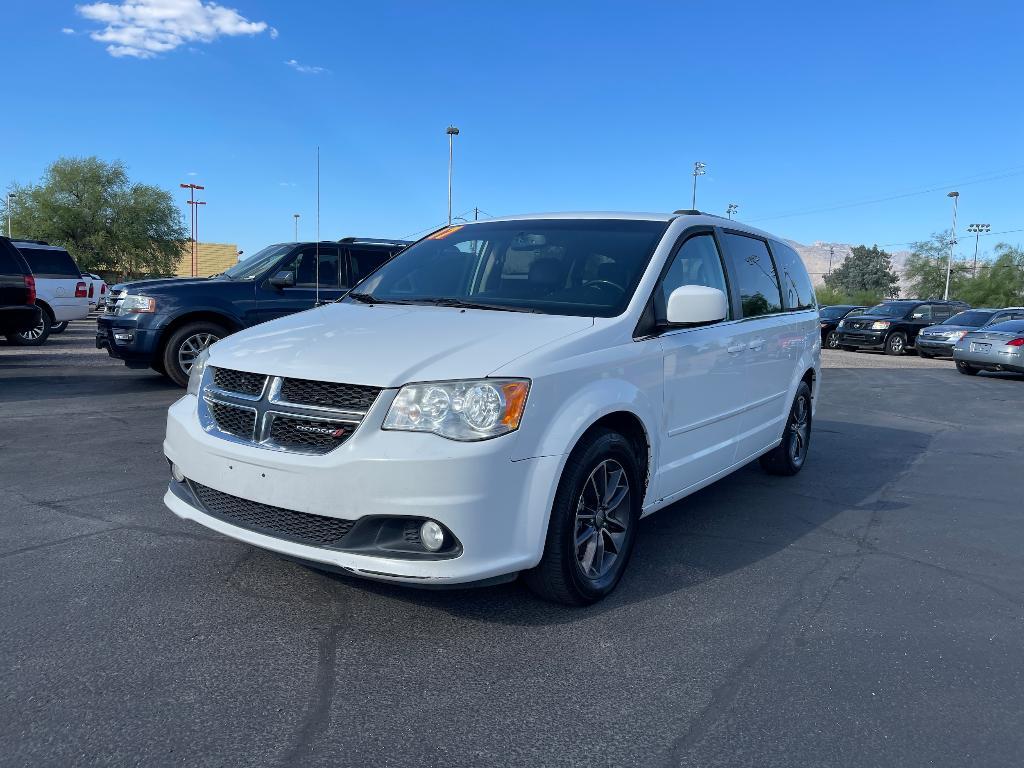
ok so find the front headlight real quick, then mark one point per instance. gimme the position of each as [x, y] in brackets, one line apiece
[133, 305]
[880, 325]
[956, 335]
[195, 374]
[460, 410]
[841, 324]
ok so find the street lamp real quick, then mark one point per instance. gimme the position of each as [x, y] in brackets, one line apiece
[952, 243]
[699, 169]
[733, 208]
[296, 217]
[9, 196]
[194, 211]
[452, 133]
[978, 230]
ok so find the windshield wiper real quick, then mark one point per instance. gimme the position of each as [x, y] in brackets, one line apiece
[369, 298]
[453, 302]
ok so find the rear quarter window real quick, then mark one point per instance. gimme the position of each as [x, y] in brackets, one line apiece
[50, 262]
[797, 291]
[10, 264]
[755, 275]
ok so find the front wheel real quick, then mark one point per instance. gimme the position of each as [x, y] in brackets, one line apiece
[964, 368]
[593, 522]
[185, 346]
[33, 337]
[832, 340]
[788, 457]
[896, 344]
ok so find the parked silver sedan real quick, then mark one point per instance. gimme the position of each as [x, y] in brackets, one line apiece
[998, 347]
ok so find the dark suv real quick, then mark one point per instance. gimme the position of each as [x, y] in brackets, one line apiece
[18, 309]
[893, 325]
[165, 324]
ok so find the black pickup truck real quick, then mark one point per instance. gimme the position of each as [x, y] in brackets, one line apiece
[164, 324]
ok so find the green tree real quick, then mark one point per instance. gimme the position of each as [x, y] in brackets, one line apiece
[106, 222]
[1000, 283]
[866, 271]
[925, 269]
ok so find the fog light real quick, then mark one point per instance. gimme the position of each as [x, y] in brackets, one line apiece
[432, 536]
[123, 336]
[176, 473]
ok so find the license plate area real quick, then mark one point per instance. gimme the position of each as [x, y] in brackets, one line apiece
[977, 346]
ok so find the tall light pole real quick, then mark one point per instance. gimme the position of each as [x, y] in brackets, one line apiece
[296, 217]
[831, 253]
[699, 169]
[733, 208]
[10, 195]
[452, 133]
[977, 230]
[952, 243]
[193, 210]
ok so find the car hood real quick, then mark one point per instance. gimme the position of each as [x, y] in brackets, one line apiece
[161, 284]
[388, 345]
[935, 330]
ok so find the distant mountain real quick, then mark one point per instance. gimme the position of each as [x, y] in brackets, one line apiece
[816, 259]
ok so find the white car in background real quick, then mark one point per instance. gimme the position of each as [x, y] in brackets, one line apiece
[97, 290]
[61, 291]
[505, 397]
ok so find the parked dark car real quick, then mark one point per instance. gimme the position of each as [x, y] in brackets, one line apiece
[997, 347]
[164, 324]
[939, 340]
[893, 325]
[18, 309]
[829, 319]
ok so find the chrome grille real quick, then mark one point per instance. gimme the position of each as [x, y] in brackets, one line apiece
[328, 394]
[254, 409]
[240, 422]
[301, 527]
[239, 381]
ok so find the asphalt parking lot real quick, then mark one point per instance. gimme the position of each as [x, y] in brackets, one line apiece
[869, 612]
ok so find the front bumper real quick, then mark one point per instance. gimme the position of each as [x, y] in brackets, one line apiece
[127, 338]
[939, 347]
[495, 507]
[862, 339]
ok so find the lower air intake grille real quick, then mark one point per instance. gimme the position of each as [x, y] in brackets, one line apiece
[300, 527]
[328, 394]
[234, 420]
[239, 381]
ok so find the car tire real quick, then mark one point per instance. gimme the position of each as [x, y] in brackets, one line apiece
[832, 340]
[184, 345]
[59, 327]
[896, 344]
[967, 370]
[789, 456]
[596, 510]
[34, 337]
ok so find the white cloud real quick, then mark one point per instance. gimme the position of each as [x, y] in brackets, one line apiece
[273, 33]
[306, 69]
[68, 31]
[145, 28]
[191, 173]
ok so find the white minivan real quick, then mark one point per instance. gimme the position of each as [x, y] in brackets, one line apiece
[505, 397]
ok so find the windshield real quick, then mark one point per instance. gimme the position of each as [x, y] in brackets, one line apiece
[891, 308]
[972, 319]
[833, 313]
[586, 267]
[258, 263]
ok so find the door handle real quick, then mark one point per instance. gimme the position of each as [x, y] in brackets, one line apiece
[757, 344]
[734, 349]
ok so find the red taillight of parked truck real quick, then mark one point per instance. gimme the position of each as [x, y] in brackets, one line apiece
[91, 289]
[30, 286]
[80, 291]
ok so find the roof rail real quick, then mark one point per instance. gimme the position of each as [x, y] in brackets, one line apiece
[695, 212]
[374, 241]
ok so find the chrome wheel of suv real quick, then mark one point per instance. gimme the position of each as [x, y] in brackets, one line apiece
[191, 347]
[799, 433]
[33, 337]
[832, 340]
[602, 517]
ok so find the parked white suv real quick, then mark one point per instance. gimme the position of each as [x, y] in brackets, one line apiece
[61, 291]
[505, 397]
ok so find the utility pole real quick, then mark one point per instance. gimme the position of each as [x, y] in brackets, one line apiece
[699, 169]
[10, 196]
[193, 210]
[831, 254]
[296, 217]
[476, 214]
[952, 243]
[733, 208]
[977, 230]
[452, 133]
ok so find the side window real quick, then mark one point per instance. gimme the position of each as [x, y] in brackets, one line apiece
[923, 312]
[363, 262]
[755, 275]
[941, 312]
[696, 263]
[8, 264]
[304, 267]
[797, 291]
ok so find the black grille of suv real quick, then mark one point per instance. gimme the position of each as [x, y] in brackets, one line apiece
[309, 434]
[240, 422]
[300, 527]
[327, 394]
[239, 381]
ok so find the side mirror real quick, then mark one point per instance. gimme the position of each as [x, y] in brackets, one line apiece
[696, 305]
[283, 279]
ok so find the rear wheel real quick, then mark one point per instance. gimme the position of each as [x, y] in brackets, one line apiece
[593, 522]
[59, 327]
[896, 344]
[33, 337]
[185, 345]
[832, 340]
[789, 456]
[967, 370]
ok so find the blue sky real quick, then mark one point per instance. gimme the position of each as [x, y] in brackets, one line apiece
[794, 107]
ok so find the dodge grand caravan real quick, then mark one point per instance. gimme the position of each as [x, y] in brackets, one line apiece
[505, 397]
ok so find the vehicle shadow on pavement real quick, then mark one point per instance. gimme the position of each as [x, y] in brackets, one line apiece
[732, 524]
